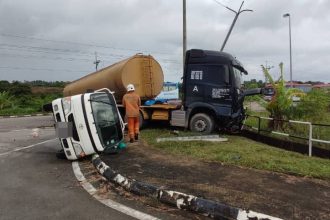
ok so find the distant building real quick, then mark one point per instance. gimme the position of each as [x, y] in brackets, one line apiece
[305, 87]
[322, 86]
[269, 91]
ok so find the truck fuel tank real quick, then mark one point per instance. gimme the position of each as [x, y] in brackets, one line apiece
[141, 70]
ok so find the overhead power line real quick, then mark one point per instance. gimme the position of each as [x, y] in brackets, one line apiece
[54, 50]
[82, 44]
[218, 2]
[61, 51]
[42, 57]
[42, 69]
[65, 51]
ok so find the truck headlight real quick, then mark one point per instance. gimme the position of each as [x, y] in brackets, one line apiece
[79, 151]
[66, 105]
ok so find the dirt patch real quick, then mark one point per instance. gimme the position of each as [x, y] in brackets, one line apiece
[256, 107]
[107, 190]
[279, 195]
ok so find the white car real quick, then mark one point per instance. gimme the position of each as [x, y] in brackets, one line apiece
[88, 123]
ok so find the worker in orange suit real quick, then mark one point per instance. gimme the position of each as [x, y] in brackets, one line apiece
[132, 102]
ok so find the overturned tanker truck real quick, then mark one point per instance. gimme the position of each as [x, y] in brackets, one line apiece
[211, 89]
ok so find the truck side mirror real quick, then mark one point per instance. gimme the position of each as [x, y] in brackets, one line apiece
[251, 92]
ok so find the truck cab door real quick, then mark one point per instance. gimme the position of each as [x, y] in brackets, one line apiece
[207, 83]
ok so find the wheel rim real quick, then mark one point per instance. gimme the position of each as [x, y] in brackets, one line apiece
[200, 125]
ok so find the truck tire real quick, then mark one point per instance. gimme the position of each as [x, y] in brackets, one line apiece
[201, 122]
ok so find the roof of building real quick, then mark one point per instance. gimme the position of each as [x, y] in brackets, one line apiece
[322, 85]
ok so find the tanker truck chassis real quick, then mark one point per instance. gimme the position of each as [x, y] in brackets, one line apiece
[212, 89]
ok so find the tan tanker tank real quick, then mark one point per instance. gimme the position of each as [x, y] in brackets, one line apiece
[141, 70]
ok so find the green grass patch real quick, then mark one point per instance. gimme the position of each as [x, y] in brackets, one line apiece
[18, 111]
[241, 151]
[299, 130]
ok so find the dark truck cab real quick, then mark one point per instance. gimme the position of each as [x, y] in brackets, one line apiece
[213, 92]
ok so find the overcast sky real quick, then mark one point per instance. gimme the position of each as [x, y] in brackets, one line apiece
[56, 39]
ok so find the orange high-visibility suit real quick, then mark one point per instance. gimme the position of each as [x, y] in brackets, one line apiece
[132, 102]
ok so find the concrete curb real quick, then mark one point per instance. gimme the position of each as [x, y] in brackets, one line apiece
[180, 200]
[22, 116]
[108, 202]
[212, 138]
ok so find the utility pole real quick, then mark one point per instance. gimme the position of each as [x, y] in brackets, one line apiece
[267, 67]
[284, 16]
[184, 32]
[96, 62]
[237, 13]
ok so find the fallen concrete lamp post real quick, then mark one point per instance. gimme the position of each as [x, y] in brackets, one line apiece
[183, 201]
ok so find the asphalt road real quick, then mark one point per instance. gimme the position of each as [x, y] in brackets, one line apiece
[34, 184]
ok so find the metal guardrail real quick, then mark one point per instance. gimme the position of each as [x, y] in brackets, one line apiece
[310, 131]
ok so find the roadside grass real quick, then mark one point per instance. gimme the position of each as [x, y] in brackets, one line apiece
[298, 130]
[28, 103]
[243, 152]
[18, 111]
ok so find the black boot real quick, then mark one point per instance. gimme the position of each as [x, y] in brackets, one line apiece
[136, 137]
[131, 140]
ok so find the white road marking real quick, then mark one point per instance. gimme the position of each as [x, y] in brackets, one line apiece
[27, 147]
[108, 202]
[30, 129]
[20, 130]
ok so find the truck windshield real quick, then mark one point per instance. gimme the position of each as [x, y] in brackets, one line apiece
[237, 78]
[106, 119]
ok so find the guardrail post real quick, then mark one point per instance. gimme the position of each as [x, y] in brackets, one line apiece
[259, 125]
[310, 141]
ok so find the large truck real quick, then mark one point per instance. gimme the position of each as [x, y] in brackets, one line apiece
[88, 123]
[212, 89]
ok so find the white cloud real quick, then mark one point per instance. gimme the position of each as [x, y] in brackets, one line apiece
[155, 26]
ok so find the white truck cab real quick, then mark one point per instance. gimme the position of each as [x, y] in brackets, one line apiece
[88, 123]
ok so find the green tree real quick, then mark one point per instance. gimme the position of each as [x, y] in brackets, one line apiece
[20, 89]
[4, 85]
[5, 100]
[252, 84]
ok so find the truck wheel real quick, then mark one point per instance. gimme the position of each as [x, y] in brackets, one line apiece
[201, 123]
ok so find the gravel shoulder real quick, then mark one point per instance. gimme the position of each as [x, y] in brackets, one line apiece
[279, 195]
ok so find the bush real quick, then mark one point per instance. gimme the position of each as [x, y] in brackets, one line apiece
[5, 100]
[312, 107]
[18, 89]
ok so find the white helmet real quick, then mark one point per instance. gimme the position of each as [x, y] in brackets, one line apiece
[130, 87]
